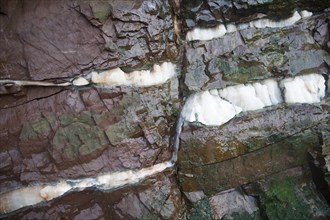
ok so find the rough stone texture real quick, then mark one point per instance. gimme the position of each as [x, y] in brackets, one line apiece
[246, 133]
[273, 155]
[289, 195]
[253, 54]
[126, 203]
[319, 163]
[211, 12]
[86, 35]
[326, 148]
[228, 202]
[83, 133]
[216, 177]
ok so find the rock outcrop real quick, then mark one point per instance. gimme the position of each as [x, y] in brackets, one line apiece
[97, 97]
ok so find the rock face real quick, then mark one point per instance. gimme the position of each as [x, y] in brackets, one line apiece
[86, 35]
[270, 162]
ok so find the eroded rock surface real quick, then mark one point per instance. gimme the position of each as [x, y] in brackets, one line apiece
[270, 162]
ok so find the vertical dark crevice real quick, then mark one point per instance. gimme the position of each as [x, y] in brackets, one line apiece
[318, 171]
[176, 14]
[262, 211]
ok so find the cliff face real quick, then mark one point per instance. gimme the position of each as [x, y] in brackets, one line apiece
[103, 144]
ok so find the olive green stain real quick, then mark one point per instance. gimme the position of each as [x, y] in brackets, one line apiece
[242, 71]
[41, 126]
[35, 129]
[79, 139]
[27, 133]
[120, 131]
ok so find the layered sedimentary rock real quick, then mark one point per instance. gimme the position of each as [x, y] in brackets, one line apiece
[98, 96]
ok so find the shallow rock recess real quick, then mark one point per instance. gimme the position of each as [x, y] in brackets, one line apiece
[91, 89]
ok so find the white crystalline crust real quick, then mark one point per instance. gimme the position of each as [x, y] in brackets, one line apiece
[52, 191]
[20, 198]
[27, 196]
[80, 81]
[205, 34]
[274, 91]
[214, 108]
[243, 96]
[263, 23]
[159, 74]
[144, 78]
[305, 14]
[304, 89]
[209, 109]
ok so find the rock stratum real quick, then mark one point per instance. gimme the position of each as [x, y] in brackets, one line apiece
[171, 109]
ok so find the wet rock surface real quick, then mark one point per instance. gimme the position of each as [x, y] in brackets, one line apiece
[234, 172]
[209, 13]
[254, 54]
[86, 35]
[267, 164]
[162, 201]
[83, 133]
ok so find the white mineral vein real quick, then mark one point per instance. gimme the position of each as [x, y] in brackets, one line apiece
[159, 74]
[212, 108]
[205, 34]
[216, 107]
[116, 77]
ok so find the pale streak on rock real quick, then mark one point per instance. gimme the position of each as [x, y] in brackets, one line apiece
[144, 78]
[33, 83]
[214, 108]
[52, 191]
[19, 198]
[264, 22]
[205, 34]
[115, 180]
[114, 77]
[28, 196]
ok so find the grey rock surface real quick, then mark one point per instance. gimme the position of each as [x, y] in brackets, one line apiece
[267, 164]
